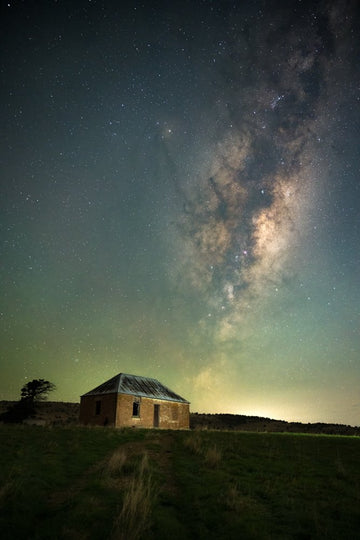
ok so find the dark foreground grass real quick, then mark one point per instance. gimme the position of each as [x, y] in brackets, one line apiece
[79, 483]
[265, 486]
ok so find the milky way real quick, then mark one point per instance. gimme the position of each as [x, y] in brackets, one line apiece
[248, 220]
[247, 216]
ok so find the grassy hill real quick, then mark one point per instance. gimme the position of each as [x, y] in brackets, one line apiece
[100, 483]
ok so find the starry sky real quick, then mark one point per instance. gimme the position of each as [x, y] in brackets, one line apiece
[180, 200]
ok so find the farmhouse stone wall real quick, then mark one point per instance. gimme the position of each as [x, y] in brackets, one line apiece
[171, 414]
[98, 415]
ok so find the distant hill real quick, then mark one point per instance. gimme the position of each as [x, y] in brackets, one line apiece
[256, 423]
[51, 412]
[64, 413]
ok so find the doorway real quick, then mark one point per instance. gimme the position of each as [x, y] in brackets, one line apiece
[156, 415]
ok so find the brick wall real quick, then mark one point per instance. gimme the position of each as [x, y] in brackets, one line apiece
[172, 415]
[117, 409]
[98, 410]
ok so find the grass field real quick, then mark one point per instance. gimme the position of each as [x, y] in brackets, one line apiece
[102, 483]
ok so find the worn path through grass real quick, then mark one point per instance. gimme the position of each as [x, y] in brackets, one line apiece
[57, 483]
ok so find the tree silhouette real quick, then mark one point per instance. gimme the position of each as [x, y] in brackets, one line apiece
[35, 390]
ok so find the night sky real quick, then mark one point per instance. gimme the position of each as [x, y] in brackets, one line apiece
[180, 199]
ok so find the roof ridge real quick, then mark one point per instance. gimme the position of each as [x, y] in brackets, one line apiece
[137, 385]
[139, 376]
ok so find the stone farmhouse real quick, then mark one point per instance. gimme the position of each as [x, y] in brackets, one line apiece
[131, 400]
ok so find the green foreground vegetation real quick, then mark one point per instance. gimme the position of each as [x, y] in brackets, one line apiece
[102, 483]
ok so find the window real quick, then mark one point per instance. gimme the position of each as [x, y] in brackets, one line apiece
[156, 415]
[136, 407]
[174, 413]
[97, 407]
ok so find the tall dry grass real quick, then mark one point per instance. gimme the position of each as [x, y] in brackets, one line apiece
[194, 444]
[116, 462]
[213, 456]
[112, 471]
[135, 514]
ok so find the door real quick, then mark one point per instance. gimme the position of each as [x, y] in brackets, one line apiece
[156, 415]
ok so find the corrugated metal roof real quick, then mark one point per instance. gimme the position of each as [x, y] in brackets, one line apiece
[123, 383]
